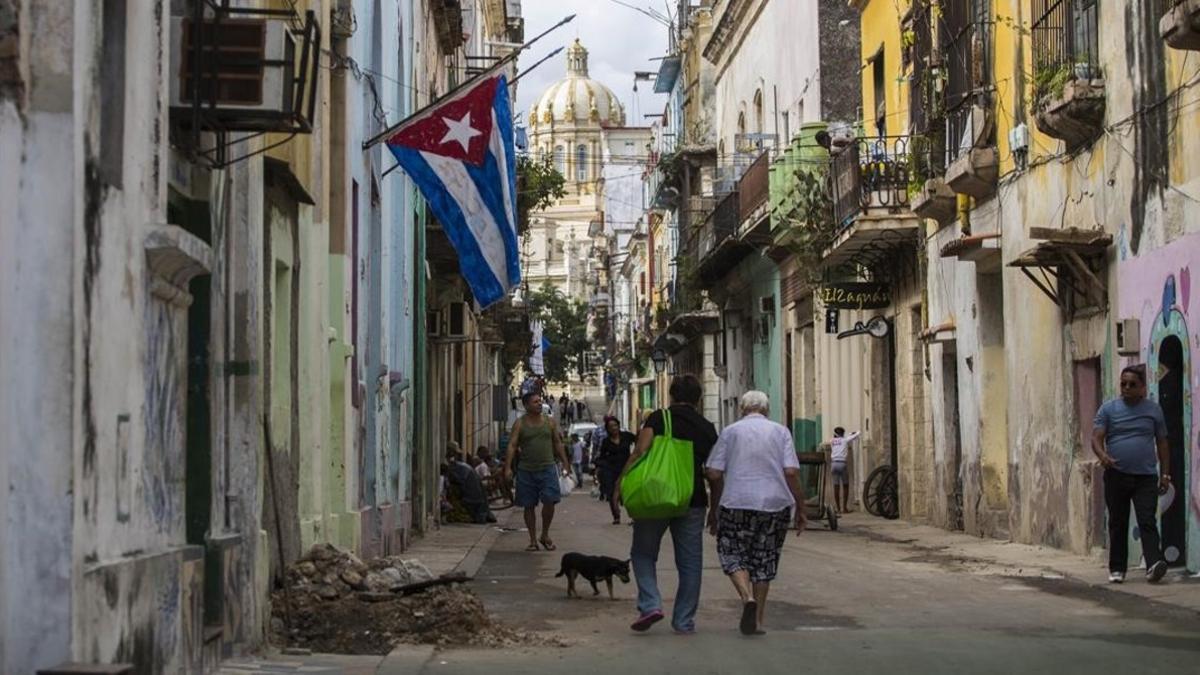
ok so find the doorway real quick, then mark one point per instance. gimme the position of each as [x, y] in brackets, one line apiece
[953, 457]
[1171, 383]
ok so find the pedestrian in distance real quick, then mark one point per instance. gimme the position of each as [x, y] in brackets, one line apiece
[839, 467]
[535, 443]
[577, 458]
[613, 455]
[687, 531]
[1127, 434]
[755, 478]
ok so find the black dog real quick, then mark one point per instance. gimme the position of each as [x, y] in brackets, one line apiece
[593, 568]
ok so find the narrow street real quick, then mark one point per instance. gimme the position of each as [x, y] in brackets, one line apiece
[851, 601]
[844, 602]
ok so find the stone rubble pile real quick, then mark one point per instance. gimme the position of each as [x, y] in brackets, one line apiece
[330, 573]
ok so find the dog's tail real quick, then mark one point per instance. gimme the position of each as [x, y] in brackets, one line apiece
[561, 571]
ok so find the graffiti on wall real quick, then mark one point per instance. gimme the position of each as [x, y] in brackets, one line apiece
[1155, 288]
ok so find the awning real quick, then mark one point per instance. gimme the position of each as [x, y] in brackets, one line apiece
[685, 328]
[668, 73]
[1068, 256]
[981, 249]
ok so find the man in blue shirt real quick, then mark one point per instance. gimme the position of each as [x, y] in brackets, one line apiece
[1129, 436]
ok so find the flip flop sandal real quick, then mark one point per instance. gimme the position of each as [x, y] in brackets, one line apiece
[749, 623]
[532, 547]
[548, 544]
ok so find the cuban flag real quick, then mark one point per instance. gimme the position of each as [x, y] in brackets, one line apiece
[460, 154]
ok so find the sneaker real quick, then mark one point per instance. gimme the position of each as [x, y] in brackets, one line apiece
[1156, 572]
[645, 621]
[1116, 577]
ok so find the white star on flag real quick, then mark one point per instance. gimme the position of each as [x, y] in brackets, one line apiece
[461, 131]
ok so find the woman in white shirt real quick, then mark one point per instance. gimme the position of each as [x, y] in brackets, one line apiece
[755, 480]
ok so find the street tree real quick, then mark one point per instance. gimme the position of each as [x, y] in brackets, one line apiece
[564, 325]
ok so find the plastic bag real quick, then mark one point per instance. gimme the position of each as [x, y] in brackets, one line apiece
[660, 484]
[566, 485]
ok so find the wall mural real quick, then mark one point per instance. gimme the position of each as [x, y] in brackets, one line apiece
[1156, 289]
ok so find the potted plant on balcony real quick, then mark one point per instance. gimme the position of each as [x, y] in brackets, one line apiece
[1069, 102]
[928, 194]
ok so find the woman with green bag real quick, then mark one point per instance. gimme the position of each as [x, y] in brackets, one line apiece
[664, 488]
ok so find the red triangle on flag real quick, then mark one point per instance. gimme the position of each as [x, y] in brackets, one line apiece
[460, 128]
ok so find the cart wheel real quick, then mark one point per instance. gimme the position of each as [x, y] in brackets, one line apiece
[832, 519]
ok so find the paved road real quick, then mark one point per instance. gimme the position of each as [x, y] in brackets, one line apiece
[845, 602]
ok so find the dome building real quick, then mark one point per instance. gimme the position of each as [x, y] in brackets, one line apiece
[573, 123]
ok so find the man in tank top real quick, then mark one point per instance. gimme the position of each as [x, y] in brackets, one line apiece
[536, 444]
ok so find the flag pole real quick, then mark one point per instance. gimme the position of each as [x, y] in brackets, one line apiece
[392, 130]
[514, 81]
[542, 60]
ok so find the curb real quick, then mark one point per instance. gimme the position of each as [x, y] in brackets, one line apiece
[475, 556]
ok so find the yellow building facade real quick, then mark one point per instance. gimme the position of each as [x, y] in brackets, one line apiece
[1050, 150]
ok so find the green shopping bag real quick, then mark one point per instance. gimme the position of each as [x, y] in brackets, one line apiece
[660, 484]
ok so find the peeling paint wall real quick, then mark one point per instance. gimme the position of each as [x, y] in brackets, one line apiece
[37, 276]
[1137, 182]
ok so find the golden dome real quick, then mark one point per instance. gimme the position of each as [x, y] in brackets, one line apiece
[577, 99]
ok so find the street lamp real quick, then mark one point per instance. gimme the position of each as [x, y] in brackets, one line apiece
[659, 357]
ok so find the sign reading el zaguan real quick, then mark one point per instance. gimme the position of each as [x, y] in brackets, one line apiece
[858, 295]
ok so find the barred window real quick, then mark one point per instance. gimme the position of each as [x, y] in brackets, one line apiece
[1065, 40]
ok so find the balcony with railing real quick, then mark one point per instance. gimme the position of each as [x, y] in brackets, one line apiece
[972, 159]
[717, 246]
[1068, 87]
[754, 191]
[869, 186]
[1180, 23]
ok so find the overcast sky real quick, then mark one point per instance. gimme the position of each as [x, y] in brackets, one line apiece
[619, 41]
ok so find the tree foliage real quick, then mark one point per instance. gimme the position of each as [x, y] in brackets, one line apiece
[564, 324]
[538, 185]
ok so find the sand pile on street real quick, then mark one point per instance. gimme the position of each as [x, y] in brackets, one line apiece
[336, 603]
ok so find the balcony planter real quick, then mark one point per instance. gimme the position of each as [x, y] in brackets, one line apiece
[975, 173]
[1180, 26]
[936, 201]
[1076, 114]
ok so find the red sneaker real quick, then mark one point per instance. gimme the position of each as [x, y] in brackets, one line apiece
[645, 621]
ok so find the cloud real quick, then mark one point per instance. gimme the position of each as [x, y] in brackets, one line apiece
[619, 41]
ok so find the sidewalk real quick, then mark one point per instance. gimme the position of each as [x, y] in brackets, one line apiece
[458, 547]
[993, 557]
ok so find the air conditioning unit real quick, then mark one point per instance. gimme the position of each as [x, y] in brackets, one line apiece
[1129, 337]
[433, 323]
[457, 320]
[248, 70]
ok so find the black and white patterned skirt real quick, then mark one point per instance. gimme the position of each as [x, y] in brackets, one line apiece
[751, 541]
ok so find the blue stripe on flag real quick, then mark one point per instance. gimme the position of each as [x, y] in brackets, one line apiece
[486, 288]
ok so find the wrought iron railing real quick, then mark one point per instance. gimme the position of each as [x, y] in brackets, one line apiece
[719, 225]
[871, 173]
[754, 186]
[966, 39]
[1065, 40]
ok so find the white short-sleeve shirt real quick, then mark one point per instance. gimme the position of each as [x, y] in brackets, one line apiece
[753, 453]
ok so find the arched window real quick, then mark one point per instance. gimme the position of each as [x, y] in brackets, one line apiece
[739, 143]
[581, 163]
[560, 159]
[758, 112]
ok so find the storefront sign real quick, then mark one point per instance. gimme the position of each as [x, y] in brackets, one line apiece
[857, 295]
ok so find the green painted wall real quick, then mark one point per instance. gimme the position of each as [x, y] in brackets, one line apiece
[767, 357]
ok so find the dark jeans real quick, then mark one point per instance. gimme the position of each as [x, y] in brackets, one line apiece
[1119, 489]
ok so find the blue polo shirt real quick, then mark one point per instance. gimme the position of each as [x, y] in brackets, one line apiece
[1130, 432]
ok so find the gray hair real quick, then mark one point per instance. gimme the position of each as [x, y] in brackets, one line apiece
[755, 401]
